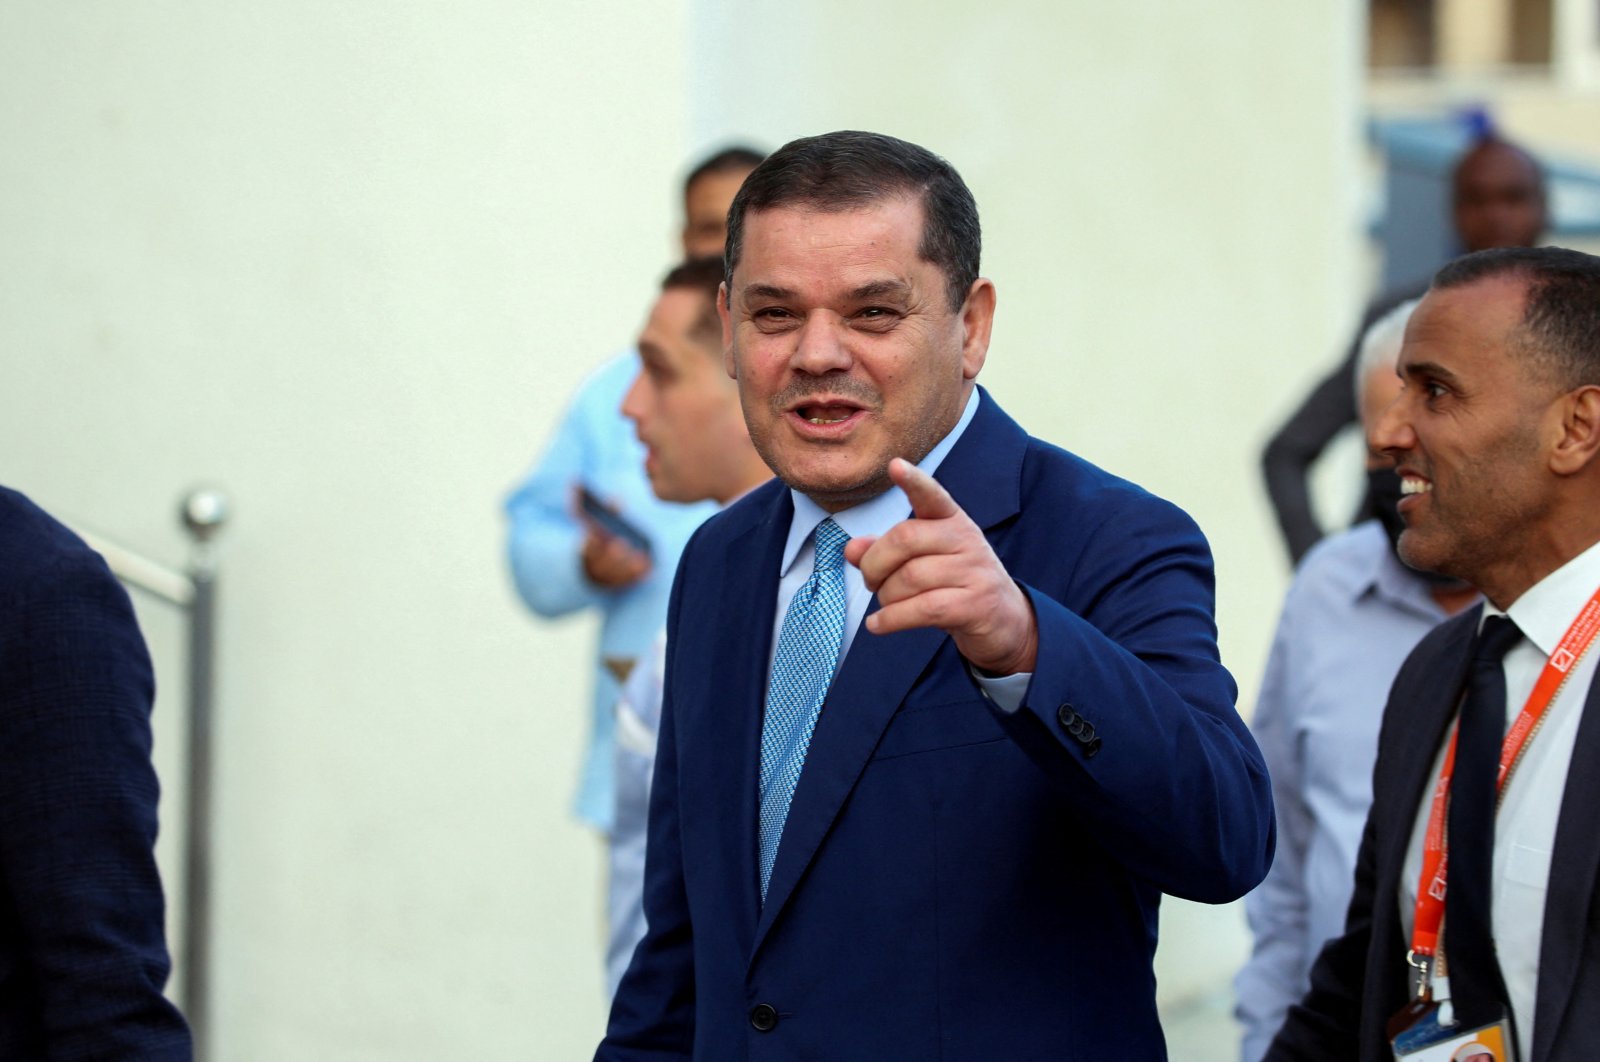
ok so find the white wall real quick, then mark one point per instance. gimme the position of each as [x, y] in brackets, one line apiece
[1170, 207]
[348, 260]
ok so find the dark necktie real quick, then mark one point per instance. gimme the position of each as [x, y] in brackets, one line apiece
[1476, 986]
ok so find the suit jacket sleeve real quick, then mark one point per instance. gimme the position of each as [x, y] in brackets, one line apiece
[1132, 712]
[1286, 462]
[78, 815]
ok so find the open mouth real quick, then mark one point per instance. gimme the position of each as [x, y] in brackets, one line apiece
[1412, 488]
[826, 413]
[1413, 485]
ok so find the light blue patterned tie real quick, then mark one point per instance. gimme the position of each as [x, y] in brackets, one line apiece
[802, 670]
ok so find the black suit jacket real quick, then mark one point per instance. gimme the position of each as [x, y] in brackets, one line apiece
[1360, 979]
[82, 955]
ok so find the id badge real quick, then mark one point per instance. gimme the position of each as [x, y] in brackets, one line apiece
[1428, 1040]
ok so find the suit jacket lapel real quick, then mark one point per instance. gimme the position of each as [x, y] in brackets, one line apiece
[1427, 705]
[736, 676]
[1574, 861]
[982, 473]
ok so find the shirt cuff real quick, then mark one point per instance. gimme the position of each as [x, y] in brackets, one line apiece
[1005, 692]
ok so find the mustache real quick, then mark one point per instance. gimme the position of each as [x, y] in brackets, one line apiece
[843, 387]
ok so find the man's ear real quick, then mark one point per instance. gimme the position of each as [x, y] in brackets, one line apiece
[977, 321]
[727, 331]
[1575, 450]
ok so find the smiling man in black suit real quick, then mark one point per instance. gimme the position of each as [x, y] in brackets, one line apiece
[1496, 437]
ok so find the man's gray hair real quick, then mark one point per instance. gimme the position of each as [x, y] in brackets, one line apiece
[1380, 345]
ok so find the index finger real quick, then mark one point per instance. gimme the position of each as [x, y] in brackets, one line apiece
[929, 500]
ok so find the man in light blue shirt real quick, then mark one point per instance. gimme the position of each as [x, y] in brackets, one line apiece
[686, 411]
[562, 564]
[1352, 615]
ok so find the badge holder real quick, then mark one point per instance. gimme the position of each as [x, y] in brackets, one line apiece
[1425, 1029]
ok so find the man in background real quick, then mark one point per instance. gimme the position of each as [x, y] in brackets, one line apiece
[686, 412]
[83, 956]
[1353, 613]
[562, 562]
[1498, 200]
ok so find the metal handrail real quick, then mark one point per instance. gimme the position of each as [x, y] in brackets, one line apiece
[194, 591]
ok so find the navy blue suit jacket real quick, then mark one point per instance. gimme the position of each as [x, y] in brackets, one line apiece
[82, 952]
[953, 882]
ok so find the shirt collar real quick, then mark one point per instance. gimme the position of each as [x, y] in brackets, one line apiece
[875, 515]
[1545, 610]
[1385, 576]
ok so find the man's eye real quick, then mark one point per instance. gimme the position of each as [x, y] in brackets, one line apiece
[1434, 389]
[876, 316]
[773, 319]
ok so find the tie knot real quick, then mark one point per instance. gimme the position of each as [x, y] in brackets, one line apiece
[830, 540]
[1499, 634]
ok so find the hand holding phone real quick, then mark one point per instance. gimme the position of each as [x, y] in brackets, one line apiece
[616, 554]
[609, 521]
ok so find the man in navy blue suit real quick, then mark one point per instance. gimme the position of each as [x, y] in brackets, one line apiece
[82, 954]
[943, 712]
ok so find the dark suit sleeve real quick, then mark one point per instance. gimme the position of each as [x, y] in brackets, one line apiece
[652, 1016]
[78, 801]
[1132, 712]
[1286, 462]
[1327, 410]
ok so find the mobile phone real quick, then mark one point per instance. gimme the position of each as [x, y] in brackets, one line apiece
[610, 522]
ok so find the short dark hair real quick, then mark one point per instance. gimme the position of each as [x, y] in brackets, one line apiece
[846, 170]
[1560, 329]
[703, 275]
[734, 158]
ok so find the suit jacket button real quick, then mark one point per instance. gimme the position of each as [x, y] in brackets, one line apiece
[1091, 749]
[1066, 716]
[763, 1017]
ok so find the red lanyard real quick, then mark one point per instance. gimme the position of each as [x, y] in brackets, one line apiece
[1431, 888]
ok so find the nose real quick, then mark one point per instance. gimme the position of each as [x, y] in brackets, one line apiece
[821, 345]
[633, 401]
[1391, 432]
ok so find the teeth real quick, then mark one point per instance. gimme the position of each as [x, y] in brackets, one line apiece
[1415, 486]
[825, 420]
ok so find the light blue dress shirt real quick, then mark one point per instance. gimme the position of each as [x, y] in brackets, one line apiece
[595, 444]
[1351, 617]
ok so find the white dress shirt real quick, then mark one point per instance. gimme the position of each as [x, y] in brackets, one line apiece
[1525, 827]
